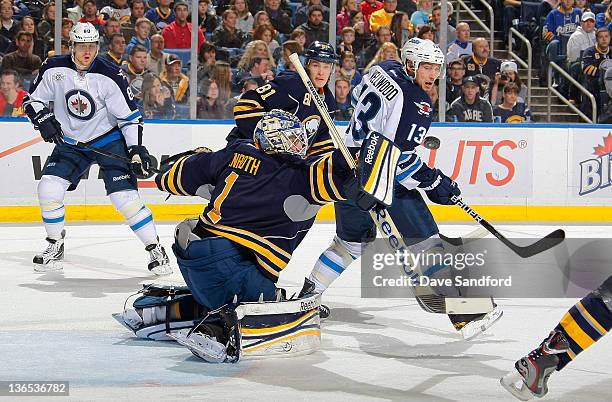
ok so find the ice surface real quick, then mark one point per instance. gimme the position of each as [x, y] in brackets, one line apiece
[58, 326]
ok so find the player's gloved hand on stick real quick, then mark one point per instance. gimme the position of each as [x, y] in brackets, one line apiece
[438, 187]
[353, 192]
[141, 160]
[49, 128]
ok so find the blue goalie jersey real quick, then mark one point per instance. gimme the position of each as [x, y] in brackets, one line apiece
[265, 203]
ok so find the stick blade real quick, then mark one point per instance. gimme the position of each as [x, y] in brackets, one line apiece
[547, 242]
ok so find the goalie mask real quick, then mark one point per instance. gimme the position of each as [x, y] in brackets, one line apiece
[83, 32]
[279, 132]
[420, 51]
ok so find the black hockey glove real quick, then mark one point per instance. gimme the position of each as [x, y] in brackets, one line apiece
[49, 128]
[353, 192]
[141, 161]
[438, 187]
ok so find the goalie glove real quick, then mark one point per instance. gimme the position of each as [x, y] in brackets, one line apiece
[171, 160]
[49, 128]
[141, 161]
[438, 187]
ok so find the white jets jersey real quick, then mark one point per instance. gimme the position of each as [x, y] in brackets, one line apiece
[388, 102]
[86, 104]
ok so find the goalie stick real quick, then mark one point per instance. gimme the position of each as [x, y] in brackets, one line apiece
[547, 242]
[385, 225]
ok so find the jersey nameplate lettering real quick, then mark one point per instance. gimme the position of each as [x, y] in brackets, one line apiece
[246, 163]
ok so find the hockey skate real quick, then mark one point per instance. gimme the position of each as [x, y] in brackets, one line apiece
[160, 263]
[472, 325]
[52, 258]
[531, 376]
[308, 288]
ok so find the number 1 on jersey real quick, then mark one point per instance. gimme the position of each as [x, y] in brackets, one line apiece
[215, 214]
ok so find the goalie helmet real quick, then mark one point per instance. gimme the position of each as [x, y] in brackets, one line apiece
[280, 132]
[422, 51]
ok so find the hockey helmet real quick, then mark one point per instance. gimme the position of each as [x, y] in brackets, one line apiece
[280, 132]
[84, 32]
[422, 51]
[320, 51]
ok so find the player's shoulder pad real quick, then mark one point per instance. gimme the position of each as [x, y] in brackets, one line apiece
[290, 82]
[105, 67]
[62, 61]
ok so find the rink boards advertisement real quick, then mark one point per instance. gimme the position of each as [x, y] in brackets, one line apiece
[511, 173]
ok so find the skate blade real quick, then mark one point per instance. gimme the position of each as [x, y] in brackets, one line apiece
[49, 267]
[513, 383]
[162, 270]
[475, 328]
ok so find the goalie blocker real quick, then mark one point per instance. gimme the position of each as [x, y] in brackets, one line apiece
[255, 330]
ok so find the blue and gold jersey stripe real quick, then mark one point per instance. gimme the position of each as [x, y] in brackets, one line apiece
[246, 108]
[171, 180]
[270, 257]
[322, 187]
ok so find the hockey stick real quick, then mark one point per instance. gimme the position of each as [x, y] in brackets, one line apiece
[545, 243]
[72, 141]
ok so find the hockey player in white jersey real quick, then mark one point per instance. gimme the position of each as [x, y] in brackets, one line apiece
[91, 104]
[392, 100]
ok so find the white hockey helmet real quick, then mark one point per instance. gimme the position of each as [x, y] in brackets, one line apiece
[422, 51]
[84, 32]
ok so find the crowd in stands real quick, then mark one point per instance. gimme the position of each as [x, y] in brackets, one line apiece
[243, 43]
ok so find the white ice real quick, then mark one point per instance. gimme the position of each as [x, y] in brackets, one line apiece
[58, 326]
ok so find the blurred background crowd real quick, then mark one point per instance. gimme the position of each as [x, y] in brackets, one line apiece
[243, 43]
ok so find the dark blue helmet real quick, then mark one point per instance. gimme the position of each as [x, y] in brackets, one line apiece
[320, 51]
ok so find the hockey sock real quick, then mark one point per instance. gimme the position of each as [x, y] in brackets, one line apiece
[51, 191]
[136, 214]
[586, 322]
[332, 262]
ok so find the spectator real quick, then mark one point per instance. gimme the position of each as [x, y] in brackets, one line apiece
[344, 112]
[227, 35]
[426, 32]
[46, 26]
[260, 70]
[456, 71]
[383, 17]
[113, 26]
[315, 28]
[480, 62]
[246, 86]
[207, 57]
[75, 13]
[421, 17]
[162, 15]
[592, 58]
[461, 46]
[207, 18]
[383, 35]
[388, 51]
[157, 102]
[254, 48]
[510, 12]
[511, 110]
[27, 24]
[90, 14]
[348, 41]
[8, 26]
[4, 45]
[401, 29]
[582, 38]
[135, 69]
[137, 11]
[222, 75]
[22, 60]
[11, 96]
[175, 79]
[116, 49]
[368, 7]
[267, 34]
[67, 25]
[470, 107]
[65, 48]
[261, 18]
[361, 36]
[245, 18]
[565, 19]
[141, 35]
[210, 106]
[118, 9]
[299, 36]
[289, 47]
[280, 19]
[604, 19]
[156, 59]
[582, 5]
[177, 34]
[508, 74]
[301, 16]
[348, 68]
[407, 6]
[344, 16]
[436, 20]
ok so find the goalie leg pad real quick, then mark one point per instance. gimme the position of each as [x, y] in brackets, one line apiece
[377, 165]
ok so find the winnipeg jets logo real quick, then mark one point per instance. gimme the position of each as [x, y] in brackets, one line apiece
[424, 108]
[80, 104]
[311, 125]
